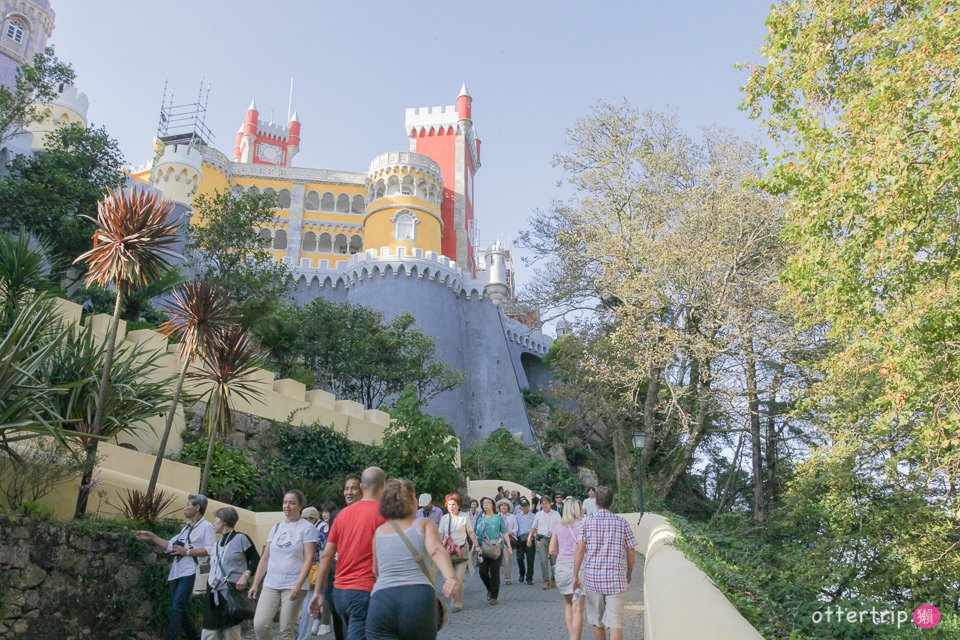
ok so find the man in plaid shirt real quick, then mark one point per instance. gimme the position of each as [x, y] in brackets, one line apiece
[606, 552]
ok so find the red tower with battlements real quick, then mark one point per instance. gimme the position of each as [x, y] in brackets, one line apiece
[447, 136]
[260, 142]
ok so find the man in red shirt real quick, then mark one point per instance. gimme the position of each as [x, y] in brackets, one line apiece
[351, 540]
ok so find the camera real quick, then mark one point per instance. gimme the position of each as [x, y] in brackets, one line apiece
[176, 543]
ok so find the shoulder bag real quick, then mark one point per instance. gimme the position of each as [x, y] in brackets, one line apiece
[458, 552]
[238, 606]
[201, 571]
[441, 605]
[489, 549]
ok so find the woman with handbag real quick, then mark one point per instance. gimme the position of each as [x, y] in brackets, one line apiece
[455, 530]
[233, 561]
[404, 603]
[505, 507]
[491, 531]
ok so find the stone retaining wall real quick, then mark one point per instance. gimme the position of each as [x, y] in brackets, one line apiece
[59, 581]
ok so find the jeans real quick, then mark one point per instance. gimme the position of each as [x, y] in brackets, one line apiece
[181, 590]
[490, 574]
[546, 560]
[403, 613]
[303, 632]
[270, 600]
[352, 605]
[525, 554]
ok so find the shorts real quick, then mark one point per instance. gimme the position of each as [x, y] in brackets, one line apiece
[605, 610]
[563, 572]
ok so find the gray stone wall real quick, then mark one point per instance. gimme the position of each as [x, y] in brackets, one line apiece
[59, 581]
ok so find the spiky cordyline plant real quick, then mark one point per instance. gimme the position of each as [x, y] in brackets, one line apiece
[199, 313]
[132, 246]
[228, 374]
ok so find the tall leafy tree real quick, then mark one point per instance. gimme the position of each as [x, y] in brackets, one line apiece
[54, 193]
[863, 98]
[675, 257]
[225, 247]
[36, 85]
[350, 351]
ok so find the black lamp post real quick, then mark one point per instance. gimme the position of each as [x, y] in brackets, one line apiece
[639, 437]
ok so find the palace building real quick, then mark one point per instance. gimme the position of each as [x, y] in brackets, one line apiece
[397, 237]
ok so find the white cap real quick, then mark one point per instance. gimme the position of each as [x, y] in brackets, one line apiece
[425, 499]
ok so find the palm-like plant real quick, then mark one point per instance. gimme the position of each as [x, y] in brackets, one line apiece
[24, 267]
[132, 245]
[26, 400]
[199, 313]
[230, 366]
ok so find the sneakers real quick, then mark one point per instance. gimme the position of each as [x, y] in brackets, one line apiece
[323, 630]
[493, 601]
[509, 581]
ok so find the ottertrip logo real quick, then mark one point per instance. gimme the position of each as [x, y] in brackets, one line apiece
[925, 616]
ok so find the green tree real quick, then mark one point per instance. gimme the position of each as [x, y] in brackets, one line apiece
[36, 85]
[675, 254]
[419, 447]
[225, 248]
[350, 351]
[863, 97]
[54, 193]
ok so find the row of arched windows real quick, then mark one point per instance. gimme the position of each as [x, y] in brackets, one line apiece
[408, 186]
[325, 243]
[341, 203]
[312, 243]
[314, 200]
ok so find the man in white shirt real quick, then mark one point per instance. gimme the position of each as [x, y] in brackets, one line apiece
[186, 547]
[544, 524]
[590, 504]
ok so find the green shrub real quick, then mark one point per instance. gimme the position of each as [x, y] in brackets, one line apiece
[233, 478]
[314, 452]
[37, 509]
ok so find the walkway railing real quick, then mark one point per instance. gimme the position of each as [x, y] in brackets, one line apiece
[680, 601]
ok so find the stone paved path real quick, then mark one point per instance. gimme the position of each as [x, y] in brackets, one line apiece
[523, 613]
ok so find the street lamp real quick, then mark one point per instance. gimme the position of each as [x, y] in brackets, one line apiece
[639, 437]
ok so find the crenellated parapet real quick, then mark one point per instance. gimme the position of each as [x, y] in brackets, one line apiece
[527, 339]
[398, 262]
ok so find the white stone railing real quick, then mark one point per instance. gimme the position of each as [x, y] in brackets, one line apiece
[407, 158]
[679, 600]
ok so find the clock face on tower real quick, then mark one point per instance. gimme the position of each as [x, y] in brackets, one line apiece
[270, 153]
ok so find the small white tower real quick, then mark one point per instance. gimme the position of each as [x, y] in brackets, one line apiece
[496, 287]
[563, 327]
[177, 173]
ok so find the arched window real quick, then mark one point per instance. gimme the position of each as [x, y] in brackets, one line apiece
[380, 190]
[356, 244]
[236, 191]
[266, 237]
[280, 239]
[407, 188]
[253, 191]
[340, 244]
[283, 197]
[309, 243]
[405, 226]
[16, 30]
[358, 204]
[343, 203]
[328, 202]
[312, 201]
[422, 188]
[269, 191]
[325, 243]
[393, 185]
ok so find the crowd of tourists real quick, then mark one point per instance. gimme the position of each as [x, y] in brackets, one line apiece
[369, 570]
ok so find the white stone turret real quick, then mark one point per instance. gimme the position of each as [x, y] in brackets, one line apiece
[496, 287]
[177, 173]
[563, 327]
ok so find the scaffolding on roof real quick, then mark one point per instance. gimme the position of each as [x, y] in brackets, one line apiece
[184, 123]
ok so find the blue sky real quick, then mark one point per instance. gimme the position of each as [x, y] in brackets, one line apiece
[532, 67]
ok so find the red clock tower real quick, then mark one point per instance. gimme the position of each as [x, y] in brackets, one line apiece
[260, 142]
